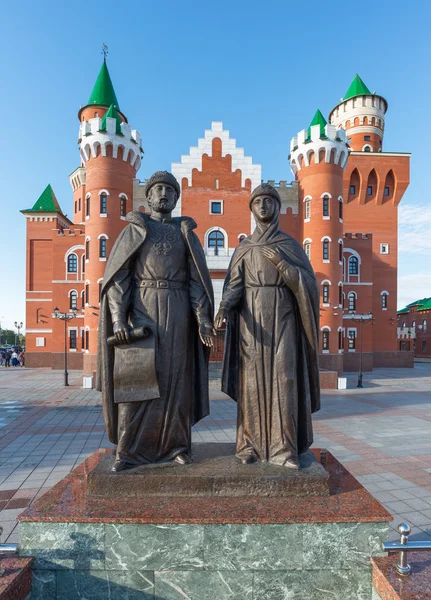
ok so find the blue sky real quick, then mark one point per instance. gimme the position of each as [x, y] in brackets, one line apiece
[263, 68]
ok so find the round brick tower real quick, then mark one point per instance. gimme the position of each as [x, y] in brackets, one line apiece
[318, 157]
[362, 115]
[111, 154]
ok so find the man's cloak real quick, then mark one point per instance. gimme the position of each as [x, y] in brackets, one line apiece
[127, 244]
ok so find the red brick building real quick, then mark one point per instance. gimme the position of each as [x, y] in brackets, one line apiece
[342, 206]
[414, 328]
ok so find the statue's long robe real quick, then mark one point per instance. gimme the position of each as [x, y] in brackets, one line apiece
[271, 353]
[147, 251]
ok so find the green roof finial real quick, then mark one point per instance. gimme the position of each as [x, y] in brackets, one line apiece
[318, 119]
[103, 92]
[47, 202]
[357, 88]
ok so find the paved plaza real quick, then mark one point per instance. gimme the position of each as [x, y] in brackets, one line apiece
[381, 433]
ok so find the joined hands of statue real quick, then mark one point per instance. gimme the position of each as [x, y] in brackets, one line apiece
[207, 333]
[121, 332]
[273, 255]
[220, 318]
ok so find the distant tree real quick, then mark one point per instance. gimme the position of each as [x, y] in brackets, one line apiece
[7, 336]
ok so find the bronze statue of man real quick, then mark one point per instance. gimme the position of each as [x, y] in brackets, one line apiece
[271, 305]
[156, 279]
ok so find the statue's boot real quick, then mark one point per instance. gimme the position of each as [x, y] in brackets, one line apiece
[248, 459]
[292, 463]
[183, 459]
[121, 464]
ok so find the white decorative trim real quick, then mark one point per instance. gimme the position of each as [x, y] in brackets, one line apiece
[325, 328]
[327, 218]
[38, 330]
[123, 195]
[326, 282]
[340, 241]
[38, 299]
[242, 234]
[326, 194]
[326, 238]
[68, 281]
[102, 258]
[307, 241]
[307, 198]
[38, 291]
[103, 215]
[72, 250]
[326, 260]
[358, 282]
[103, 235]
[340, 198]
[371, 149]
[384, 292]
[104, 192]
[193, 160]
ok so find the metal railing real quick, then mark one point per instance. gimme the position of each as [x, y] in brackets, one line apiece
[403, 567]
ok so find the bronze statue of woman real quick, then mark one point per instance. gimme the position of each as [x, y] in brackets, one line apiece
[271, 306]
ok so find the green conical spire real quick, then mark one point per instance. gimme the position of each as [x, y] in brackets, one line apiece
[318, 119]
[113, 114]
[357, 88]
[47, 202]
[103, 92]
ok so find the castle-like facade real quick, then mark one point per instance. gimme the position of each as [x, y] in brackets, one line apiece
[342, 206]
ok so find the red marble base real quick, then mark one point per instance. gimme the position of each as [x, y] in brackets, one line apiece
[391, 586]
[68, 501]
[15, 577]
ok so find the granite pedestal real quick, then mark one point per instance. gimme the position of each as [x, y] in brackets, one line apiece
[200, 548]
[214, 472]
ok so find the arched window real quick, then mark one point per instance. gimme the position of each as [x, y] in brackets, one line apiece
[424, 325]
[83, 263]
[325, 249]
[216, 241]
[103, 204]
[340, 208]
[340, 250]
[340, 339]
[87, 249]
[326, 206]
[72, 263]
[352, 301]
[384, 300]
[340, 294]
[353, 265]
[83, 299]
[73, 300]
[242, 237]
[123, 208]
[325, 340]
[102, 247]
[87, 206]
[307, 209]
[307, 249]
[325, 293]
[367, 148]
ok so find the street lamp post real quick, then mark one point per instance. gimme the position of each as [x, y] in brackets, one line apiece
[19, 327]
[65, 317]
[361, 318]
[1, 331]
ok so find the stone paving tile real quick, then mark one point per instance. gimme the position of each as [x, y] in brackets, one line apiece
[381, 433]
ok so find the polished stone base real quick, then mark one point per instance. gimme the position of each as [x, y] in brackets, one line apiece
[198, 548]
[215, 471]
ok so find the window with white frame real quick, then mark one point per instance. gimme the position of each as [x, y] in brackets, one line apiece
[384, 300]
[340, 339]
[424, 325]
[73, 300]
[123, 205]
[103, 204]
[325, 293]
[352, 339]
[87, 249]
[384, 248]
[326, 206]
[352, 301]
[216, 241]
[353, 265]
[216, 207]
[307, 249]
[102, 247]
[40, 341]
[72, 263]
[325, 340]
[307, 209]
[73, 334]
[325, 249]
[340, 209]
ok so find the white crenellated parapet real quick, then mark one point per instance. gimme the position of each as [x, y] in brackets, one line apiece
[372, 107]
[193, 160]
[334, 145]
[91, 139]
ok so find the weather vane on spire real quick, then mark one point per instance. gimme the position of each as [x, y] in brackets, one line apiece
[105, 52]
